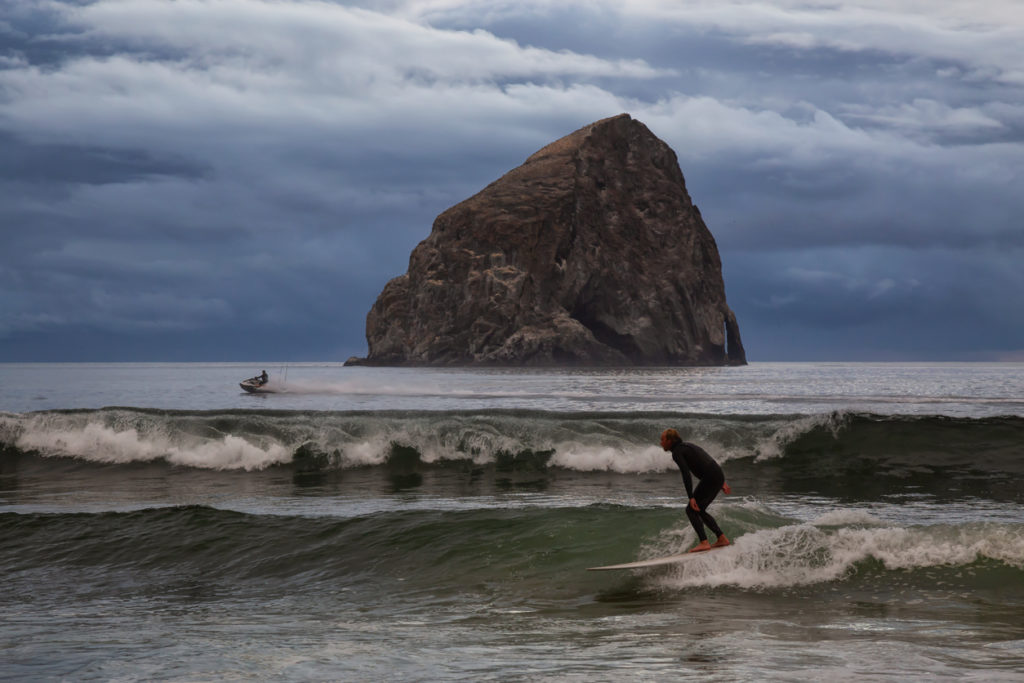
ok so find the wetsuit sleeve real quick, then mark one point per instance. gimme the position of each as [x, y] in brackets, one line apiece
[687, 479]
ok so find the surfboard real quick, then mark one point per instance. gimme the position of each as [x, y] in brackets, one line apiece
[657, 561]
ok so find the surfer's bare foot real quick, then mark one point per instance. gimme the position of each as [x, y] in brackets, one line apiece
[700, 547]
[721, 542]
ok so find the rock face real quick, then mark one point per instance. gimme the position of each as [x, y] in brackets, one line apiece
[590, 253]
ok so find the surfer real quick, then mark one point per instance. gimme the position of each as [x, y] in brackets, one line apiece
[692, 458]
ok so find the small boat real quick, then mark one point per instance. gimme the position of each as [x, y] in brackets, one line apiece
[256, 385]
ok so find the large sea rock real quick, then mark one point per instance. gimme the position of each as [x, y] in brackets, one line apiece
[590, 253]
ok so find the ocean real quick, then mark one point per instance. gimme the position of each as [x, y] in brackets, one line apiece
[397, 524]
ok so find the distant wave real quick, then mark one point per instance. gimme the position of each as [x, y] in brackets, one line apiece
[611, 442]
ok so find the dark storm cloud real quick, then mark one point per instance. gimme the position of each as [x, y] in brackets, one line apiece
[239, 178]
[73, 164]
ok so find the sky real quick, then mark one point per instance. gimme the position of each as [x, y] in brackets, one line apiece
[236, 180]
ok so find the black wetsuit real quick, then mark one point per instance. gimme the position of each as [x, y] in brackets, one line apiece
[693, 458]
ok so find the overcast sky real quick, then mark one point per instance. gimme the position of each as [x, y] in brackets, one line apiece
[238, 179]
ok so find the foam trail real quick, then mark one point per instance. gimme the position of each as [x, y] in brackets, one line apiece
[374, 387]
[357, 387]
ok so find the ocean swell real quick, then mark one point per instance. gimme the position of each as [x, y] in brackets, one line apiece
[454, 549]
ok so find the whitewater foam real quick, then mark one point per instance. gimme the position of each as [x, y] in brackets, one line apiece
[102, 444]
[809, 553]
[582, 458]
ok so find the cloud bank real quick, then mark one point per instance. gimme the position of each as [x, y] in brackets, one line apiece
[237, 179]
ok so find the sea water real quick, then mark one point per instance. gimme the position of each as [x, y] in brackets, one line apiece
[158, 523]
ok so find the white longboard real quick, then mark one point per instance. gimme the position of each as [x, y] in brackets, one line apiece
[656, 562]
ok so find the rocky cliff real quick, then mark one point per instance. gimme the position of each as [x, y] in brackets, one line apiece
[590, 253]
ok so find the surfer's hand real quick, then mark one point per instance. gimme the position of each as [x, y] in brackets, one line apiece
[693, 504]
[726, 488]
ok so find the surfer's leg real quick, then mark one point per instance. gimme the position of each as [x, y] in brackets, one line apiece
[704, 494]
[713, 525]
[699, 519]
[710, 522]
[698, 525]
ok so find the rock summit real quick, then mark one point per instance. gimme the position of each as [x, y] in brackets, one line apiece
[590, 253]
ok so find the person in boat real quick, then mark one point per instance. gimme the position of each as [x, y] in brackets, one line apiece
[264, 378]
[693, 459]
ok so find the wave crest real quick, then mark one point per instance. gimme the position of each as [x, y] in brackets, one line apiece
[611, 442]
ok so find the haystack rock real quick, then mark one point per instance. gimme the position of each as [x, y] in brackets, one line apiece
[590, 253]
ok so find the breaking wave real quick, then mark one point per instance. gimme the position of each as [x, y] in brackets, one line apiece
[609, 442]
[845, 546]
